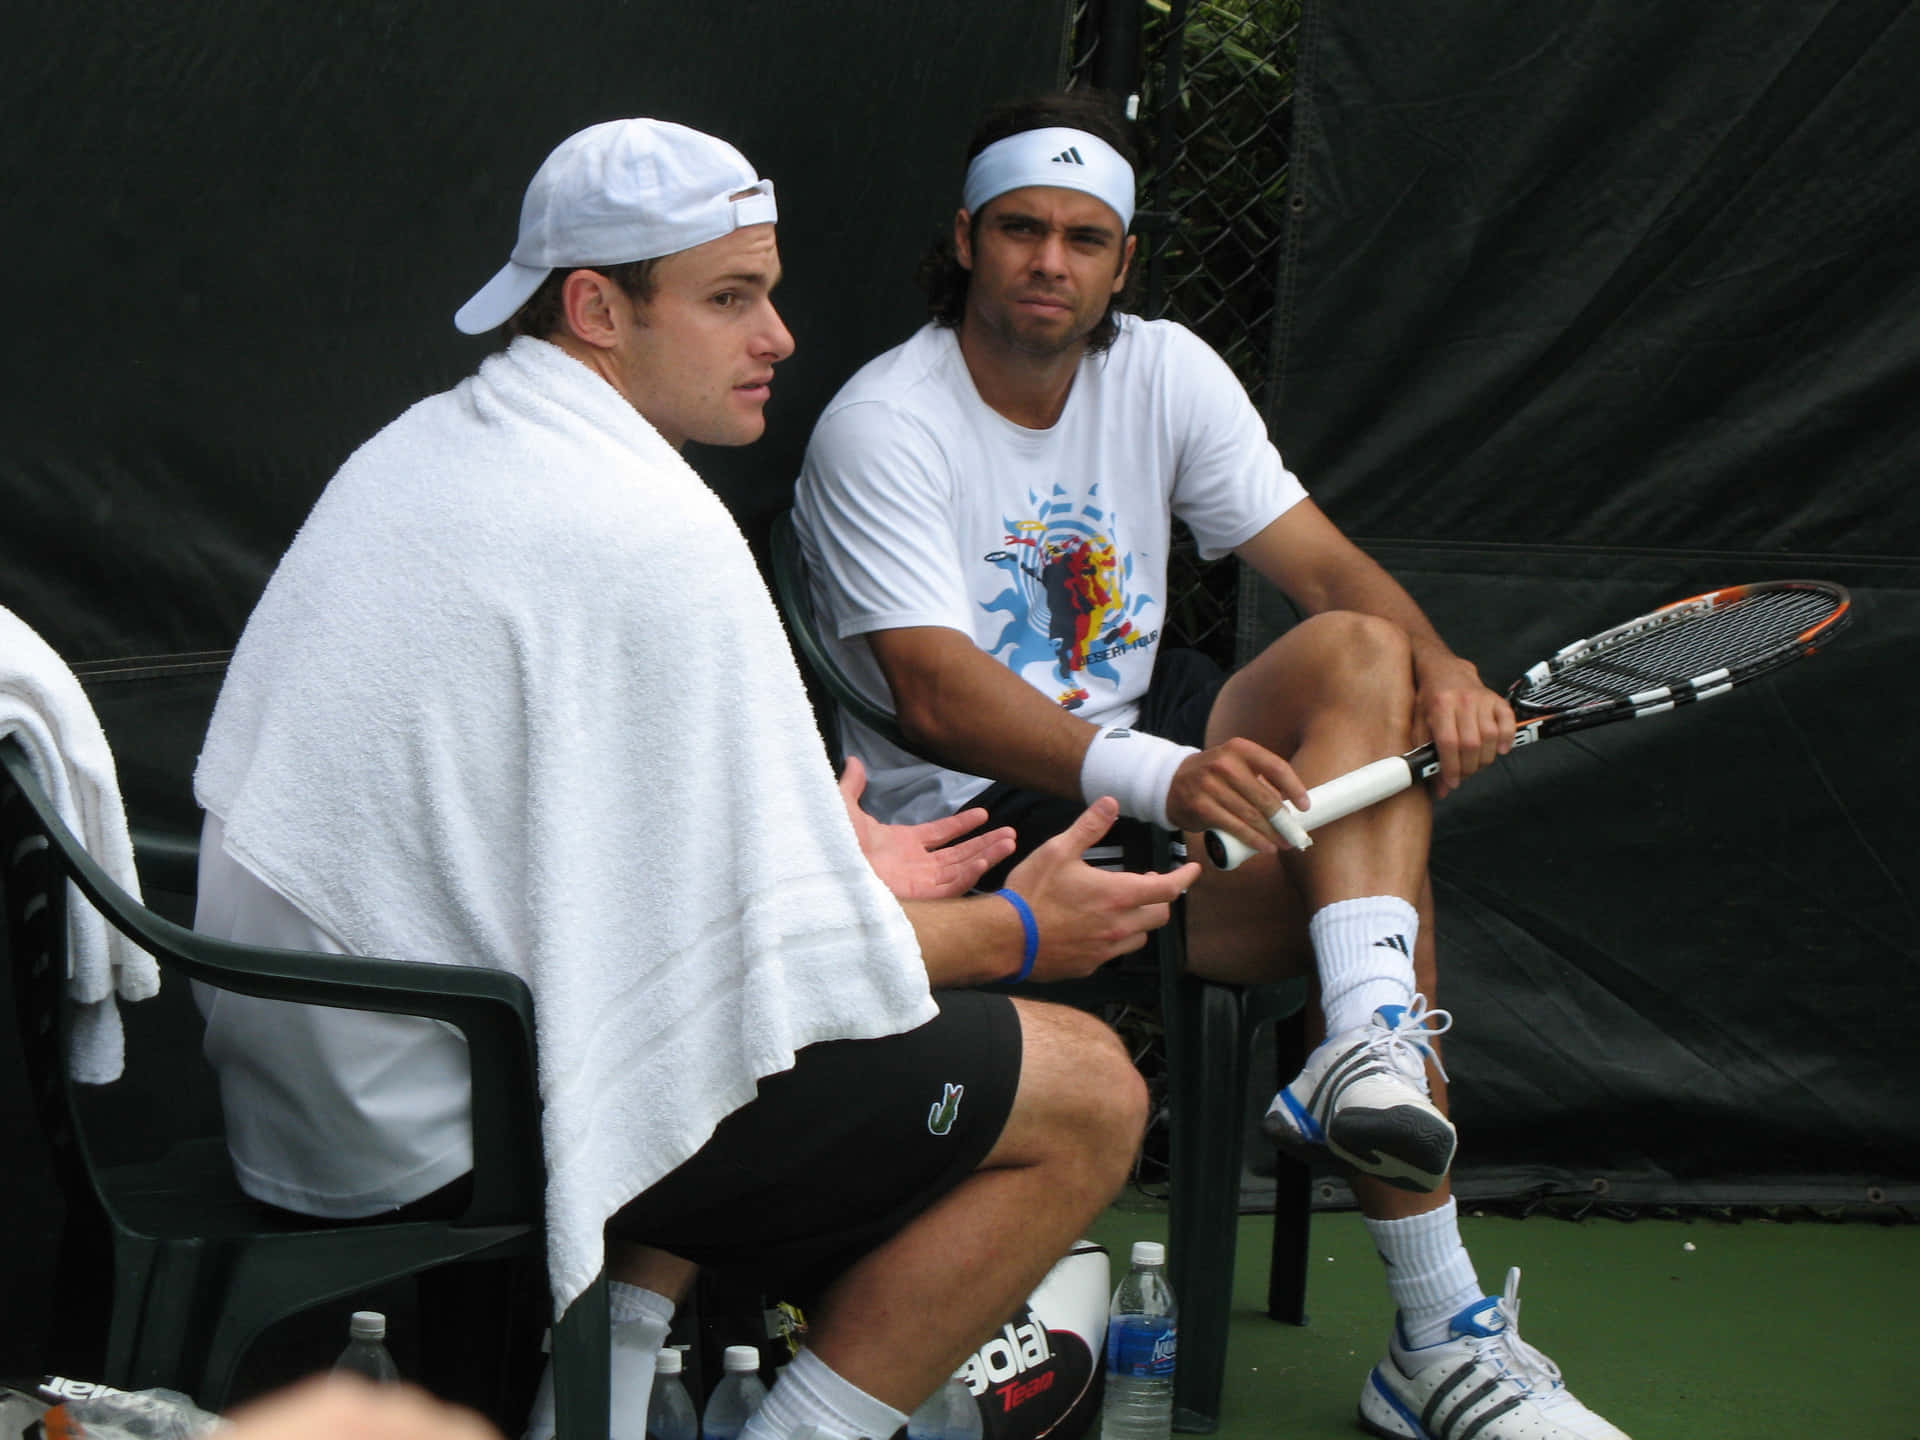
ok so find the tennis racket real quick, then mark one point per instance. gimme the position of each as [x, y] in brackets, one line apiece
[1690, 650]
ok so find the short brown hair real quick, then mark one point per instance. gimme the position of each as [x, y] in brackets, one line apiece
[943, 279]
[543, 315]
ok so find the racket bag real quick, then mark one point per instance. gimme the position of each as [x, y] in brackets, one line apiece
[1044, 1373]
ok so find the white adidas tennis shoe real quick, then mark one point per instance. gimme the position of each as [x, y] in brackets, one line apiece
[1363, 1095]
[1483, 1381]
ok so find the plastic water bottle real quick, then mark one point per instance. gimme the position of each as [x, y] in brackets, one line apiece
[1141, 1339]
[670, 1412]
[950, 1413]
[736, 1397]
[366, 1352]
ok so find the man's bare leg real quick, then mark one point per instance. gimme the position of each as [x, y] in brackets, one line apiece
[1332, 694]
[646, 1268]
[1335, 693]
[1332, 697]
[903, 1319]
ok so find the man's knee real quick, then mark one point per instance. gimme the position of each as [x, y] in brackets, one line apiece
[1081, 1082]
[1344, 642]
[1329, 664]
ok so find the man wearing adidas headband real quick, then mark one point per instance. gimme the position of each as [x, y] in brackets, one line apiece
[987, 510]
[517, 697]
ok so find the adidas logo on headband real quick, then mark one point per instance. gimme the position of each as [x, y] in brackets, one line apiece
[1057, 155]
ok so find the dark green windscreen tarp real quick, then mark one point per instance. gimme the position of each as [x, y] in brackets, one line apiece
[236, 232]
[1587, 308]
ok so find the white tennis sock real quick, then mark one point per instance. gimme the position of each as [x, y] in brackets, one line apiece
[807, 1393]
[1364, 949]
[640, 1320]
[1429, 1273]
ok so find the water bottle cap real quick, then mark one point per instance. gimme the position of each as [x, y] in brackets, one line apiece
[740, 1357]
[367, 1325]
[667, 1362]
[1149, 1252]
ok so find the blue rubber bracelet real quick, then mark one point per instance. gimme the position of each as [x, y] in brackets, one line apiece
[1028, 924]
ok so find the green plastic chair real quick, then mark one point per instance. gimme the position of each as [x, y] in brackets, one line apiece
[1209, 1029]
[198, 1271]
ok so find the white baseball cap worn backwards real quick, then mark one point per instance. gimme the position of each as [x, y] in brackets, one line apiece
[617, 192]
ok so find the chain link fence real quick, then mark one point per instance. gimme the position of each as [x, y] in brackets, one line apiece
[1214, 80]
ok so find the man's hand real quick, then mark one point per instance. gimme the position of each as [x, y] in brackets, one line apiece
[923, 862]
[1470, 725]
[1086, 916]
[335, 1407]
[1234, 787]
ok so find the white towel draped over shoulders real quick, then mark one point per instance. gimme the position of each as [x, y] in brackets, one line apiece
[517, 696]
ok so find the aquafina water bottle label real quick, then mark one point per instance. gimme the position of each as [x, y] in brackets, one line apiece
[1142, 1346]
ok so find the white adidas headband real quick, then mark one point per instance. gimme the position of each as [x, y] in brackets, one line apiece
[1058, 156]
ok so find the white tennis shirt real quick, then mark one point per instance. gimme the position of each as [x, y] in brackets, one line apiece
[919, 504]
[335, 1113]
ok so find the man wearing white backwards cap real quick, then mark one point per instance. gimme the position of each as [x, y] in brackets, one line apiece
[516, 696]
[987, 512]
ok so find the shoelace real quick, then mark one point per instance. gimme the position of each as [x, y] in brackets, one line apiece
[1405, 1046]
[1533, 1371]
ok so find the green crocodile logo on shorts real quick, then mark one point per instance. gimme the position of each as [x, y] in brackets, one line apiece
[940, 1117]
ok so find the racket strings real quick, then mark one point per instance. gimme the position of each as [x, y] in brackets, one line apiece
[1730, 637]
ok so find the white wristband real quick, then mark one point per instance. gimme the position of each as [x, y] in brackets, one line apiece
[1136, 769]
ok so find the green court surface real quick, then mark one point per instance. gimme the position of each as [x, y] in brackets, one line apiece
[1762, 1330]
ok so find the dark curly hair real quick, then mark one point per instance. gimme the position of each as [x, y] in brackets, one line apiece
[543, 315]
[943, 279]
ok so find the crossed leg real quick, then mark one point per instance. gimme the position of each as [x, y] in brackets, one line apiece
[1334, 693]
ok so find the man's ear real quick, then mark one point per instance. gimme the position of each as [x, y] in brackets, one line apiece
[963, 238]
[587, 304]
[1126, 264]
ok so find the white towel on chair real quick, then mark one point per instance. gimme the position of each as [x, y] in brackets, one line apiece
[44, 708]
[517, 697]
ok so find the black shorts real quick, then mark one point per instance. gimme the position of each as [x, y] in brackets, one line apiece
[839, 1153]
[1175, 707]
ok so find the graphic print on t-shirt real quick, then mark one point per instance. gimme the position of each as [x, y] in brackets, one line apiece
[1067, 600]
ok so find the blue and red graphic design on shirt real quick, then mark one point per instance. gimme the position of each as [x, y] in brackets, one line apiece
[1068, 599]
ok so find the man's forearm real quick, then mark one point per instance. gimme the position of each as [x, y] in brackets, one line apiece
[969, 941]
[1367, 589]
[968, 711]
[1319, 569]
[1072, 918]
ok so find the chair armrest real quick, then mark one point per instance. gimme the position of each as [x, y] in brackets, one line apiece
[791, 592]
[167, 859]
[491, 1008]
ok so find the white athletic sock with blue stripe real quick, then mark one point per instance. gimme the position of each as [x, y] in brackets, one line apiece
[1429, 1273]
[810, 1393]
[1364, 950]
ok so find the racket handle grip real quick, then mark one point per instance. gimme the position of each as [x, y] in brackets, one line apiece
[1326, 803]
